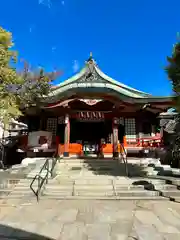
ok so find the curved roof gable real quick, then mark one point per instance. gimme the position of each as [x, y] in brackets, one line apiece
[92, 74]
[119, 84]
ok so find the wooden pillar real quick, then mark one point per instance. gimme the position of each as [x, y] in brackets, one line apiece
[115, 137]
[66, 136]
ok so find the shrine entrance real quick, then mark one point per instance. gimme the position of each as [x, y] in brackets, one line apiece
[90, 129]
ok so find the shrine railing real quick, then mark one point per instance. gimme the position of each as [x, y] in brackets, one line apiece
[143, 142]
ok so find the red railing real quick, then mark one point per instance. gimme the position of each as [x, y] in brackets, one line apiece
[155, 141]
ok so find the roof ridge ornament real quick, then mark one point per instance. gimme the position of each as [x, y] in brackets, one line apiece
[90, 59]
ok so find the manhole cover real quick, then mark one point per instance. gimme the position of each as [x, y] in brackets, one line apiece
[76, 168]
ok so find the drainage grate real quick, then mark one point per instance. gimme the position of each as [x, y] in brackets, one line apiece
[13, 181]
[76, 168]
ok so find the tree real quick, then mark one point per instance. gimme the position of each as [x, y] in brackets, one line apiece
[173, 71]
[8, 103]
[22, 89]
[36, 85]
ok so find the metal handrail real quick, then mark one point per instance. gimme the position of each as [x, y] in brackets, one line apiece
[42, 180]
[54, 161]
[124, 158]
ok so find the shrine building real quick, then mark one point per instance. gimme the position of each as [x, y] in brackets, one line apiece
[91, 107]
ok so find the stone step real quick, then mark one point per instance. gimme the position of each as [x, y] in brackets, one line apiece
[165, 187]
[100, 163]
[83, 175]
[72, 161]
[21, 192]
[94, 193]
[105, 187]
[37, 172]
[169, 193]
[93, 187]
[100, 185]
[58, 197]
[169, 180]
[19, 195]
[26, 183]
[105, 181]
[79, 193]
[93, 181]
[59, 187]
[21, 186]
[24, 188]
[137, 193]
[80, 181]
[32, 175]
[93, 163]
[157, 181]
[57, 193]
[52, 182]
[128, 187]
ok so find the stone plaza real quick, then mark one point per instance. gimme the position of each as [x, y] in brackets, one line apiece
[89, 220]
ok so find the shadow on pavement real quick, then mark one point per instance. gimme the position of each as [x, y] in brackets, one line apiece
[112, 167]
[147, 185]
[11, 233]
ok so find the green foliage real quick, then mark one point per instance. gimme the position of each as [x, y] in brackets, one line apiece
[8, 106]
[173, 71]
[18, 90]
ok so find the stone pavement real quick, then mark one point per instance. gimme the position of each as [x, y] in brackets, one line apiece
[89, 220]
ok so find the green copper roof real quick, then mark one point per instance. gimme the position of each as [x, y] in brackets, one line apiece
[91, 77]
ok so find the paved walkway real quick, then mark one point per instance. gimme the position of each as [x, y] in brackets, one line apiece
[89, 220]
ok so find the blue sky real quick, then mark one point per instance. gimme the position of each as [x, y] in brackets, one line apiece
[129, 39]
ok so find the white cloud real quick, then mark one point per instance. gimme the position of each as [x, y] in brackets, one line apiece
[31, 28]
[75, 66]
[53, 49]
[46, 3]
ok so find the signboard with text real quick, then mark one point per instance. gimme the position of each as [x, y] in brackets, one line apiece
[90, 116]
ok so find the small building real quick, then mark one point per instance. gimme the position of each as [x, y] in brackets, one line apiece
[91, 107]
[14, 129]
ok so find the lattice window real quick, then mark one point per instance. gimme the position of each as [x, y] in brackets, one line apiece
[130, 127]
[61, 120]
[52, 125]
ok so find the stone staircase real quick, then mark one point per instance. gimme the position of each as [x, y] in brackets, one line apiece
[105, 179]
[97, 190]
[96, 179]
[15, 182]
